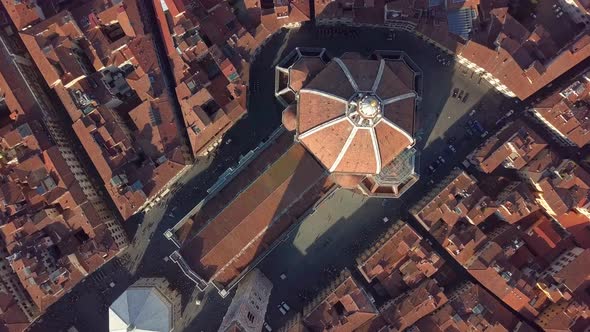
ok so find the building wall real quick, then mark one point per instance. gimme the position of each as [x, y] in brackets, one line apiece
[248, 307]
[562, 261]
[577, 14]
[540, 199]
[561, 137]
[10, 283]
[487, 76]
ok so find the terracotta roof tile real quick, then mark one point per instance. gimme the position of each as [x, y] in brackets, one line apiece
[303, 71]
[516, 203]
[22, 13]
[324, 81]
[387, 257]
[249, 214]
[514, 146]
[539, 166]
[318, 107]
[363, 72]
[565, 316]
[12, 318]
[455, 201]
[517, 67]
[314, 110]
[568, 189]
[392, 85]
[346, 180]
[390, 142]
[401, 70]
[359, 157]
[327, 143]
[409, 307]
[48, 37]
[576, 273]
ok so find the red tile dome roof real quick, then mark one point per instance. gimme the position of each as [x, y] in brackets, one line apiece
[357, 115]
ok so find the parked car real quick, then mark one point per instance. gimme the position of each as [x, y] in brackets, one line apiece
[267, 327]
[455, 92]
[465, 97]
[460, 94]
[283, 311]
[285, 306]
[432, 168]
[477, 126]
[472, 113]
[452, 148]
[441, 159]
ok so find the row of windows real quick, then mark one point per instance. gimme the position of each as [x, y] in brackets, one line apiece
[250, 317]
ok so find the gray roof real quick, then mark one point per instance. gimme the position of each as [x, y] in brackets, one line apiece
[461, 22]
[140, 309]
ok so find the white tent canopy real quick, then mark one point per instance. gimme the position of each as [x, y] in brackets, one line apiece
[140, 309]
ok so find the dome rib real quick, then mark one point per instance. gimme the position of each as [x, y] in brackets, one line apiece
[359, 156]
[344, 149]
[346, 98]
[328, 143]
[325, 105]
[322, 126]
[391, 85]
[398, 128]
[347, 73]
[379, 75]
[400, 97]
[376, 150]
[303, 70]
